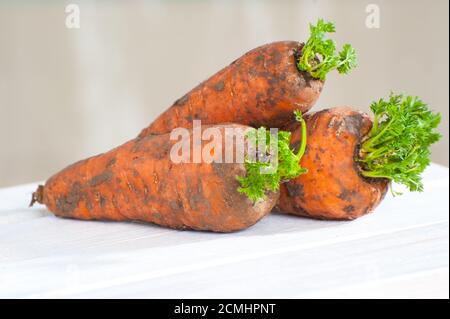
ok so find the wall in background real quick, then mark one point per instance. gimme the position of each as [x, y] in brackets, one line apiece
[69, 93]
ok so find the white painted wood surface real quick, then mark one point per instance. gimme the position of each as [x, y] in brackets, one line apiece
[402, 250]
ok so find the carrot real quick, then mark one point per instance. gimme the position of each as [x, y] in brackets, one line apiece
[351, 162]
[263, 87]
[333, 187]
[140, 181]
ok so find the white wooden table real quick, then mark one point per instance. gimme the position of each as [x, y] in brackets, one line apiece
[402, 250]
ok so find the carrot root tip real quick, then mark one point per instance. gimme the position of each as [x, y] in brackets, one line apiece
[38, 196]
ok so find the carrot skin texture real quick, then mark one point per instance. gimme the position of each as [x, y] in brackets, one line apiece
[137, 181]
[333, 187]
[261, 88]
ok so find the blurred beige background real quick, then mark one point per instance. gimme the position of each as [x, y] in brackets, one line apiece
[70, 93]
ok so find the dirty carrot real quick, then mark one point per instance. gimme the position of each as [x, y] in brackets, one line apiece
[352, 161]
[141, 181]
[263, 87]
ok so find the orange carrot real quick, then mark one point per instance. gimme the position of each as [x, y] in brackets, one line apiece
[261, 88]
[264, 86]
[333, 188]
[138, 181]
[351, 160]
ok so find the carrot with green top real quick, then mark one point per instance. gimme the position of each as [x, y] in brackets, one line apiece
[352, 160]
[141, 180]
[264, 86]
